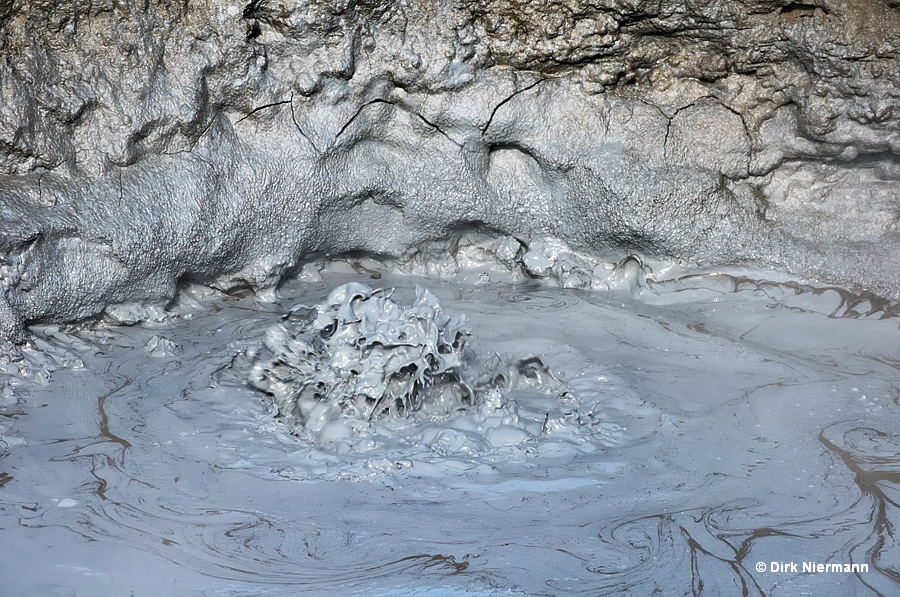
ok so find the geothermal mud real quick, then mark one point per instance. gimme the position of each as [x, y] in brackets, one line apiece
[359, 372]
[143, 146]
[176, 177]
[361, 354]
[680, 430]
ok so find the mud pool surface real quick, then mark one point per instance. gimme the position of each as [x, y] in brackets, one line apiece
[720, 421]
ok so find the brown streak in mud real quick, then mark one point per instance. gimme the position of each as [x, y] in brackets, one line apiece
[104, 419]
[735, 565]
[867, 480]
[101, 482]
[359, 268]
[700, 327]
[868, 483]
[437, 560]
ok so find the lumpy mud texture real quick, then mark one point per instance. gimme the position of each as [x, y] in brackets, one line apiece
[360, 371]
[362, 355]
[147, 144]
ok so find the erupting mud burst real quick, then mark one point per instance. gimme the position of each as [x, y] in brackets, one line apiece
[361, 354]
[359, 373]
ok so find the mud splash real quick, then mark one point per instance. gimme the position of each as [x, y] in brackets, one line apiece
[359, 374]
[363, 356]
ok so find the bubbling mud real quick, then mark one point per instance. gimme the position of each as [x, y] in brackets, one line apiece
[670, 433]
[360, 371]
[363, 355]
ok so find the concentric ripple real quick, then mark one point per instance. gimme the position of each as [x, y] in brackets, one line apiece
[656, 437]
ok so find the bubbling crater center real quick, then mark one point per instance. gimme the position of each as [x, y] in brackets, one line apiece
[360, 371]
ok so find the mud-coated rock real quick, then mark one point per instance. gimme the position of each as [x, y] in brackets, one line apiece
[143, 144]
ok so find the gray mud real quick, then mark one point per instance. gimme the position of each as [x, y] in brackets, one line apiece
[721, 420]
[147, 145]
[640, 435]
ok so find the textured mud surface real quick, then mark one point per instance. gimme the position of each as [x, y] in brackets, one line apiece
[732, 421]
[643, 436]
[361, 354]
[143, 144]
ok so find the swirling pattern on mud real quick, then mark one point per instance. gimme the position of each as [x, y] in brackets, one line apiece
[736, 423]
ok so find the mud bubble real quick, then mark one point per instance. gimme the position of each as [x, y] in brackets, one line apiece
[360, 371]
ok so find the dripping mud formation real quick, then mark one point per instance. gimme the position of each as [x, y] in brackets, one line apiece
[424, 298]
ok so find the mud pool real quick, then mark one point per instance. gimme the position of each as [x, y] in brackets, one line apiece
[720, 420]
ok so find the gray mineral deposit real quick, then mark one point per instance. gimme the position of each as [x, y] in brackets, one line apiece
[423, 298]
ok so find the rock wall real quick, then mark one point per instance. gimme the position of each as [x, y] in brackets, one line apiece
[147, 143]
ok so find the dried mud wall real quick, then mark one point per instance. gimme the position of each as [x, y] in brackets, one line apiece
[147, 143]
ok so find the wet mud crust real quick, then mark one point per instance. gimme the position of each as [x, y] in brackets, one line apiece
[147, 145]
